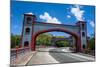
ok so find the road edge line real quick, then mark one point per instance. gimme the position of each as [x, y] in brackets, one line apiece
[30, 58]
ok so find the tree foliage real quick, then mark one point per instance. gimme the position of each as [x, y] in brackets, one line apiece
[63, 43]
[44, 39]
[92, 43]
[15, 41]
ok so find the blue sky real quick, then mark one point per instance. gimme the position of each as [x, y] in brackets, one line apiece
[58, 13]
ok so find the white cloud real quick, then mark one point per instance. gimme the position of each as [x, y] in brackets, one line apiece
[77, 12]
[92, 23]
[46, 17]
[68, 16]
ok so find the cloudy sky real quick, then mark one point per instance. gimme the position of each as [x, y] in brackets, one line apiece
[52, 13]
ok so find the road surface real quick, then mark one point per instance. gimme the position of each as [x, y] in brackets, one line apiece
[58, 55]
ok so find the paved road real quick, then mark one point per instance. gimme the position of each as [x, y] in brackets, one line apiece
[42, 57]
[69, 57]
[58, 55]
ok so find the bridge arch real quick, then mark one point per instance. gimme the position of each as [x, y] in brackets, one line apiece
[79, 31]
[77, 38]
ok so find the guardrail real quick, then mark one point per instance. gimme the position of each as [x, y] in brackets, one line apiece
[18, 52]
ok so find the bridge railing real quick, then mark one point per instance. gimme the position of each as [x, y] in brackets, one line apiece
[18, 52]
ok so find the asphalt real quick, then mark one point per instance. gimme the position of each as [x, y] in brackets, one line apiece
[58, 55]
[41, 58]
[68, 57]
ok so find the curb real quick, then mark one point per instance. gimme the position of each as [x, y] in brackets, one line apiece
[30, 58]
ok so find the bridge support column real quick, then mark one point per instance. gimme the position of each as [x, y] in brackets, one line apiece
[78, 45]
[33, 43]
[82, 34]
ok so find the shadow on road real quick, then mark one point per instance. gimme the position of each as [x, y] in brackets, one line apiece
[55, 51]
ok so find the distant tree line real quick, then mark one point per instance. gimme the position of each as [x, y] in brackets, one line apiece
[42, 39]
[63, 43]
[46, 39]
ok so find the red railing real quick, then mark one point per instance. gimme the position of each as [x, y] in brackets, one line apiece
[18, 52]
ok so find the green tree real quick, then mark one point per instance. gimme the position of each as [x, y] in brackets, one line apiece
[62, 43]
[13, 44]
[18, 37]
[15, 41]
[92, 43]
[44, 39]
